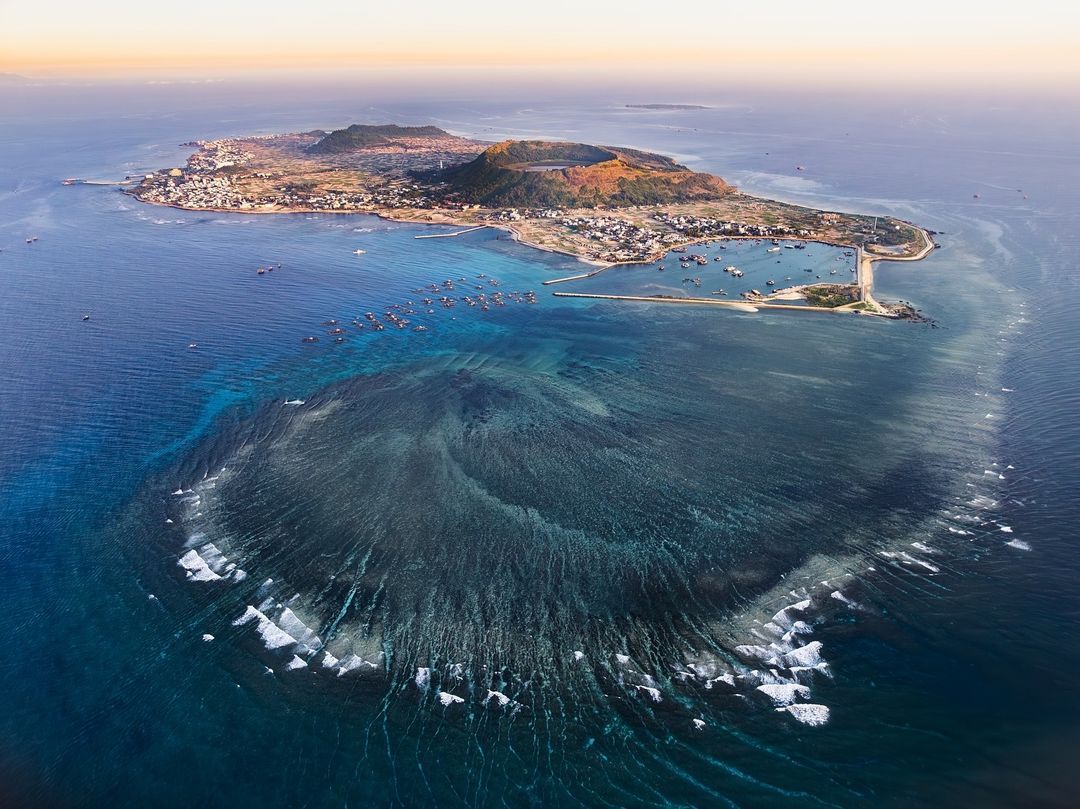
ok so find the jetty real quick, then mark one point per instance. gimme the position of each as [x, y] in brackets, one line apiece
[449, 235]
[578, 277]
[743, 306]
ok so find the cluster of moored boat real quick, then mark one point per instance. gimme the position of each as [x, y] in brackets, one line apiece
[697, 258]
[735, 272]
[396, 314]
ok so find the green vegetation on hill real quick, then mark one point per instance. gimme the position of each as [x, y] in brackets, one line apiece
[593, 176]
[831, 295]
[517, 153]
[359, 135]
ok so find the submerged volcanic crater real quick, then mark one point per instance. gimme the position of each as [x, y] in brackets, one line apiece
[472, 531]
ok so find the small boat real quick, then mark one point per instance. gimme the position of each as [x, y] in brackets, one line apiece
[309, 340]
[193, 345]
[770, 283]
[359, 252]
[293, 401]
[86, 317]
[339, 339]
[773, 250]
[261, 270]
[419, 328]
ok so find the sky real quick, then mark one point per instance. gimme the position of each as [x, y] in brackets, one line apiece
[1033, 42]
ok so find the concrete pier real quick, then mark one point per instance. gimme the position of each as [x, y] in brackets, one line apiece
[449, 235]
[742, 306]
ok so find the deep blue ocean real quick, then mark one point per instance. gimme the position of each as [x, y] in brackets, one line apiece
[561, 553]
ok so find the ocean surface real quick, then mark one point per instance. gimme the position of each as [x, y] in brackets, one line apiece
[562, 553]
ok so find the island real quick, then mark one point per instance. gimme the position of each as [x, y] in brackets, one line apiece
[666, 107]
[603, 205]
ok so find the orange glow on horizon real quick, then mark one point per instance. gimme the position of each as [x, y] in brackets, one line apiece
[781, 41]
[1057, 65]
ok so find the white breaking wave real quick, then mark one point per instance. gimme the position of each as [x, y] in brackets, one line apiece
[784, 693]
[196, 568]
[808, 713]
[273, 636]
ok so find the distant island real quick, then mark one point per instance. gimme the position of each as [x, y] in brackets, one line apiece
[604, 205]
[667, 107]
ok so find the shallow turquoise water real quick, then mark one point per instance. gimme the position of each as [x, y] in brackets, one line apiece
[643, 486]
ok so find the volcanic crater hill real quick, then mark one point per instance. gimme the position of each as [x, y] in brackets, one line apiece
[359, 136]
[575, 175]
